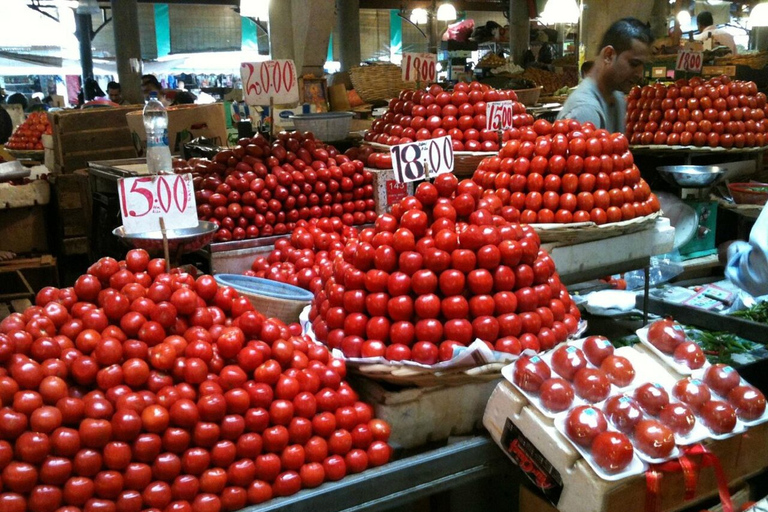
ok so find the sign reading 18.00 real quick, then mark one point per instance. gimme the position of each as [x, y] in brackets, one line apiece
[143, 201]
[422, 159]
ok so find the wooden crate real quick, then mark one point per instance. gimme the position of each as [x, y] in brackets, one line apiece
[80, 136]
[22, 277]
[73, 211]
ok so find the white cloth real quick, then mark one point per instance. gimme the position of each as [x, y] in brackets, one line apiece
[720, 35]
[747, 265]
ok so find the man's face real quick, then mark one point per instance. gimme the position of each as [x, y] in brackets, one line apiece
[146, 89]
[626, 68]
[114, 95]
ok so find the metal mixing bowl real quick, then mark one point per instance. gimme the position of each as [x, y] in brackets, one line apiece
[187, 240]
[692, 176]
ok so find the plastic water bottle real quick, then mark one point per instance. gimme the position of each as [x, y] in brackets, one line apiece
[156, 125]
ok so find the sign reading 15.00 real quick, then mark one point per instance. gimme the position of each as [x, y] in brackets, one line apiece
[499, 115]
[422, 159]
[143, 201]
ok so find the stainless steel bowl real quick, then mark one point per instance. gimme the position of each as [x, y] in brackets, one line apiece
[692, 176]
[184, 240]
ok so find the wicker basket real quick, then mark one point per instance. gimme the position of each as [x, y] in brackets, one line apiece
[580, 232]
[424, 377]
[529, 97]
[277, 299]
[286, 310]
[465, 162]
[754, 60]
[378, 82]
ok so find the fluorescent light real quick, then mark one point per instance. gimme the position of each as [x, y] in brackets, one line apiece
[258, 9]
[419, 16]
[560, 11]
[759, 16]
[446, 12]
[87, 7]
[684, 18]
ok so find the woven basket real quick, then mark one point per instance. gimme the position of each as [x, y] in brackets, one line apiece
[465, 162]
[754, 60]
[378, 82]
[571, 234]
[422, 377]
[286, 310]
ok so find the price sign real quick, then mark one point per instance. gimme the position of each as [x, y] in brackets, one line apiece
[688, 61]
[271, 79]
[419, 66]
[422, 159]
[144, 200]
[498, 115]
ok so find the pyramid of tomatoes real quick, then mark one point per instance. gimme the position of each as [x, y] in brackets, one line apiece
[262, 189]
[442, 270]
[435, 112]
[137, 390]
[566, 172]
[718, 112]
[29, 135]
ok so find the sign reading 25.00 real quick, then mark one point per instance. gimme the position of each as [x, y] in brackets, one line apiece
[143, 201]
[422, 159]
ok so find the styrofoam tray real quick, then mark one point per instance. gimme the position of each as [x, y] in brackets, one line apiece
[666, 358]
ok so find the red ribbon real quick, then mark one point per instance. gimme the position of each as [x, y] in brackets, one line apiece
[690, 472]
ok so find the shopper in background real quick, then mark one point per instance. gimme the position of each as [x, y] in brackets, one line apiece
[115, 93]
[599, 98]
[586, 67]
[150, 84]
[18, 99]
[707, 29]
[747, 262]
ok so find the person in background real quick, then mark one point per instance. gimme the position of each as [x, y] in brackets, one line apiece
[150, 84]
[115, 93]
[746, 263]
[599, 98]
[586, 67]
[18, 99]
[707, 29]
[184, 98]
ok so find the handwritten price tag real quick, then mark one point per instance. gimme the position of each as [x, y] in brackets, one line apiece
[422, 159]
[499, 115]
[688, 61]
[419, 66]
[144, 200]
[275, 79]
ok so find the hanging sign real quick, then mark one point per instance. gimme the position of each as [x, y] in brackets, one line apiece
[422, 159]
[144, 200]
[420, 67]
[269, 80]
[498, 115]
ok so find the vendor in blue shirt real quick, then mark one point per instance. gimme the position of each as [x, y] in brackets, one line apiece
[619, 65]
[747, 262]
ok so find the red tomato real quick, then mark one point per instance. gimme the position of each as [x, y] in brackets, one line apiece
[618, 369]
[612, 451]
[691, 391]
[567, 360]
[530, 373]
[651, 397]
[678, 417]
[666, 335]
[654, 439]
[689, 354]
[718, 416]
[748, 401]
[556, 394]
[584, 423]
[721, 378]
[596, 349]
[623, 412]
[592, 384]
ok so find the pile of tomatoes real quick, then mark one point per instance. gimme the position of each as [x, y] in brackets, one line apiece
[298, 260]
[422, 115]
[440, 271]
[261, 189]
[29, 134]
[718, 112]
[565, 172]
[142, 390]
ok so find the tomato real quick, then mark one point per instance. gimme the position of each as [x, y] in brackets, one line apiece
[623, 412]
[584, 423]
[718, 416]
[678, 417]
[592, 384]
[748, 401]
[689, 354]
[556, 395]
[666, 335]
[618, 369]
[691, 391]
[654, 439]
[530, 373]
[596, 349]
[567, 360]
[651, 397]
[612, 451]
[721, 378]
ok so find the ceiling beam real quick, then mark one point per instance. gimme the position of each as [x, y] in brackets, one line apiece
[460, 5]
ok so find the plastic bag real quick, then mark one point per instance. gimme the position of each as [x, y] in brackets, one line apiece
[459, 31]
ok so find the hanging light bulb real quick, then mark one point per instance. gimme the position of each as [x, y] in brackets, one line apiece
[419, 16]
[759, 15]
[258, 9]
[684, 18]
[560, 11]
[446, 12]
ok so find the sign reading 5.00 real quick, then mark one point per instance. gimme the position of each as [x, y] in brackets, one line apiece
[422, 159]
[144, 200]
[499, 115]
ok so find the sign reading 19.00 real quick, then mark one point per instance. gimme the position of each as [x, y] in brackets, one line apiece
[422, 159]
[144, 200]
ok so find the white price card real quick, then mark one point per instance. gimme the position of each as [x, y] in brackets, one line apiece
[688, 61]
[271, 79]
[420, 67]
[498, 115]
[422, 159]
[143, 201]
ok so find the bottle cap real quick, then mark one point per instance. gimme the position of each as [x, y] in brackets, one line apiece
[153, 94]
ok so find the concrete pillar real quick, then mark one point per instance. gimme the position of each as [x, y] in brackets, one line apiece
[281, 30]
[313, 21]
[348, 32]
[519, 29]
[84, 27]
[598, 15]
[125, 20]
[658, 20]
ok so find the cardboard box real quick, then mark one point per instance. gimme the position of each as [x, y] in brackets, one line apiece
[554, 466]
[185, 122]
[23, 229]
[387, 191]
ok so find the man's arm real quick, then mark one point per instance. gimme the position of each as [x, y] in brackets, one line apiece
[583, 113]
[748, 262]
